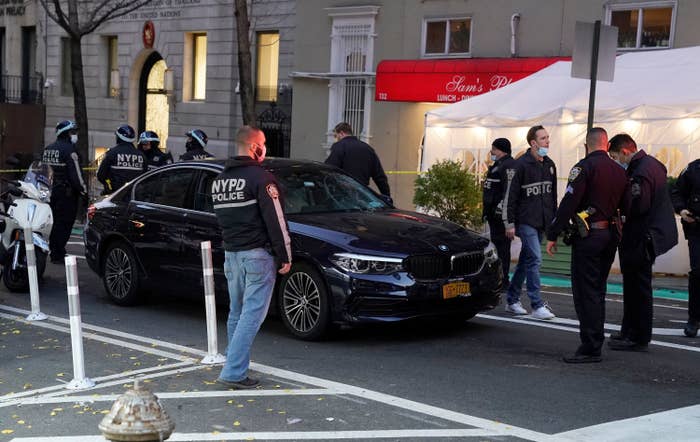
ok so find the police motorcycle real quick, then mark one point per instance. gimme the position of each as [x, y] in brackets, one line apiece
[25, 204]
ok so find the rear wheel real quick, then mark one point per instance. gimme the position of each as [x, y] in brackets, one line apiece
[121, 274]
[303, 302]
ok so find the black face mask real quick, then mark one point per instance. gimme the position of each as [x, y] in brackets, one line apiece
[190, 145]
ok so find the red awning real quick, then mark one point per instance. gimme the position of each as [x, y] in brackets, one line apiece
[451, 80]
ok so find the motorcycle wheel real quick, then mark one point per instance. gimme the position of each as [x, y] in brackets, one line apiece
[17, 280]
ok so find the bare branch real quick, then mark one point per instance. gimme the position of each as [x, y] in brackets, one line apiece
[57, 15]
[119, 9]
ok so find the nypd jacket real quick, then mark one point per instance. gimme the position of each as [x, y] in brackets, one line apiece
[650, 220]
[249, 209]
[531, 193]
[64, 161]
[359, 160]
[156, 158]
[495, 186]
[686, 195]
[121, 164]
[596, 181]
[195, 154]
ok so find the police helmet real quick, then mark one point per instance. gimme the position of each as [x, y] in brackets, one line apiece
[199, 136]
[149, 137]
[125, 133]
[65, 126]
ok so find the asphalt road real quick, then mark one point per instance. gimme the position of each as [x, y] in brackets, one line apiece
[496, 377]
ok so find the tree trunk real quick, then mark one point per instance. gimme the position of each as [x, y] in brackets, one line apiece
[76, 67]
[245, 71]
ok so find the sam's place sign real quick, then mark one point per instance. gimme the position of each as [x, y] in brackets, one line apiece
[450, 80]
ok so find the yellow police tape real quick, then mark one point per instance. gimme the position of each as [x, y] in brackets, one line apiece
[24, 170]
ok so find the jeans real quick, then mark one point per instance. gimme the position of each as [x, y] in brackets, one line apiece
[528, 266]
[251, 279]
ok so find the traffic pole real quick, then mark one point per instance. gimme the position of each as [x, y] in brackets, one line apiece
[79, 381]
[213, 356]
[36, 314]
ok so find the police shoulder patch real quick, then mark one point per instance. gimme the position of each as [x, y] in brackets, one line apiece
[272, 191]
[575, 172]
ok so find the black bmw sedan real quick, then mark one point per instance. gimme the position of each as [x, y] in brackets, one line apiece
[356, 258]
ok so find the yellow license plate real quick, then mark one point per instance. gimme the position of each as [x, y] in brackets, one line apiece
[455, 289]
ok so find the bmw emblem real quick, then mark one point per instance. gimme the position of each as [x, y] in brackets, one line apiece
[443, 247]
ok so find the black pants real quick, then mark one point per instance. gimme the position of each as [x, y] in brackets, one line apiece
[502, 243]
[590, 265]
[638, 310]
[694, 279]
[64, 208]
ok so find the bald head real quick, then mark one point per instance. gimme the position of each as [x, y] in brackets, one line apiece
[246, 136]
[597, 139]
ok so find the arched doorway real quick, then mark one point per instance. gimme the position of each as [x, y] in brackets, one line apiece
[154, 110]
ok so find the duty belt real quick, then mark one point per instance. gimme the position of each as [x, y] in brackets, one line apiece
[600, 225]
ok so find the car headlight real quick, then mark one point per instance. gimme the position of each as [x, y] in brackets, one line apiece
[490, 253]
[367, 264]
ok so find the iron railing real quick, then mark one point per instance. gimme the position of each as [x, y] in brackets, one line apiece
[21, 89]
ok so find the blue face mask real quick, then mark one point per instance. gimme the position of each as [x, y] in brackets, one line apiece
[623, 165]
[542, 151]
[493, 158]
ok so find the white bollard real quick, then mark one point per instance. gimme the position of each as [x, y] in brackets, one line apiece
[213, 356]
[36, 314]
[79, 381]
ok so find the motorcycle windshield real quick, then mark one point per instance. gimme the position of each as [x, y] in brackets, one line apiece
[41, 176]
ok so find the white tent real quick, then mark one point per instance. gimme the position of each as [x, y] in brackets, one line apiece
[655, 98]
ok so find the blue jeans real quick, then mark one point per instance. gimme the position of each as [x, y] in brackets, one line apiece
[251, 279]
[528, 266]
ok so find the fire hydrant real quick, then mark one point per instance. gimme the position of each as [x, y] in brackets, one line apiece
[137, 415]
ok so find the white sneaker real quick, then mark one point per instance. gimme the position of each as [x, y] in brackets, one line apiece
[543, 313]
[516, 309]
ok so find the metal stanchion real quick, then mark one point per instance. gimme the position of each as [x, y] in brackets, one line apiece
[36, 314]
[79, 381]
[213, 356]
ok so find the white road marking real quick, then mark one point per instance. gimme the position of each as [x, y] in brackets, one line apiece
[682, 424]
[549, 324]
[286, 435]
[78, 243]
[182, 394]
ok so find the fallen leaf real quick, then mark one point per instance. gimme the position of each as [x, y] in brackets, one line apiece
[7, 431]
[236, 424]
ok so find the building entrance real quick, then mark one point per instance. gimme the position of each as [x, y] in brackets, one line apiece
[154, 109]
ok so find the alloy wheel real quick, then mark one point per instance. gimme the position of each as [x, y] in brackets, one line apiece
[302, 302]
[118, 273]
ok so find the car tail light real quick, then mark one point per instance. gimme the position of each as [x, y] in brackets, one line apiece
[91, 211]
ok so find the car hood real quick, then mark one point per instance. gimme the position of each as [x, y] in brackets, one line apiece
[392, 232]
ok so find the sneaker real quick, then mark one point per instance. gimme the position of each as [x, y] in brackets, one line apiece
[542, 313]
[242, 384]
[516, 309]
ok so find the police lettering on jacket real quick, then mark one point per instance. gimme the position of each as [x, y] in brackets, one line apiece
[129, 161]
[531, 193]
[228, 190]
[64, 161]
[121, 164]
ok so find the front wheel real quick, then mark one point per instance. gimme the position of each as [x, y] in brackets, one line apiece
[121, 274]
[303, 302]
[17, 280]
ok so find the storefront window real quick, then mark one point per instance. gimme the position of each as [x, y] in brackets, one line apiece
[643, 27]
[447, 36]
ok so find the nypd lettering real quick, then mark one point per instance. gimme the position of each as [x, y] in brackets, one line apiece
[200, 156]
[229, 192]
[129, 161]
[52, 157]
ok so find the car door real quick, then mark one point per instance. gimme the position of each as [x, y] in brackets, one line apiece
[156, 223]
[202, 225]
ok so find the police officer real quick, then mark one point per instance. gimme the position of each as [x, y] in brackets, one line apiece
[494, 187]
[686, 201]
[149, 145]
[122, 163]
[595, 192]
[529, 204]
[68, 186]
[196, 142]
[649, 231]
[357, 158]
[257, 246]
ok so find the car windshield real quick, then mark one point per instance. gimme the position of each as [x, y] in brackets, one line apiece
[319, 191]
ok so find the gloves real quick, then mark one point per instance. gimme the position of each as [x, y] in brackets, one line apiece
[687, 216]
